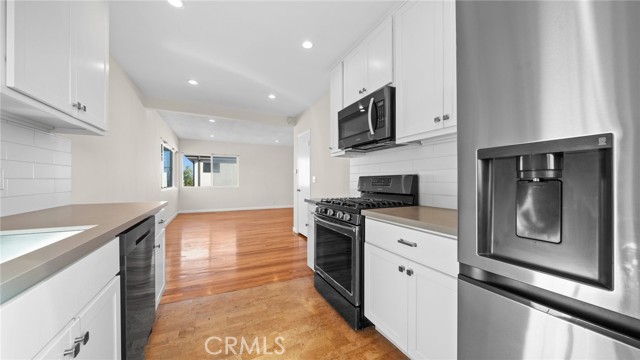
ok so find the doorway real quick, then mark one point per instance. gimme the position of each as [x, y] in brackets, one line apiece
[303, 171]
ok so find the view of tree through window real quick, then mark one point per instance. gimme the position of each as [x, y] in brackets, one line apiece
[203, 170]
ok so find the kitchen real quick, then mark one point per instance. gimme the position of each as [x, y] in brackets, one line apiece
[536, 99]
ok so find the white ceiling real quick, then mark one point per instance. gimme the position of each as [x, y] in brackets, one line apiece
[198, 127]
[238, 51]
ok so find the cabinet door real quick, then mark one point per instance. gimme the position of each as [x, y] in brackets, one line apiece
[38, 47]
[160, 264]
[335, 100]
[385, 293]
[100, 324]
[449, 63]
[90, 60]
[380, 57]
[418, 55]
[432, 314]
[311, 238]
[355, 70]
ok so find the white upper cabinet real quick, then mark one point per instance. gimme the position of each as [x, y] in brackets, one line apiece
[369, 66]
[56, 67]
[425, 70]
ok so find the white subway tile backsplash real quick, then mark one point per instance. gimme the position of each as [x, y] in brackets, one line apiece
[17, 169]
[19, 152]
[21, 187]
[36, 167]
[16, 134]
[435, 165]
[62, 158]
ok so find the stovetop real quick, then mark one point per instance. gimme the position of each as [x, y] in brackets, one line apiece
[377, 192]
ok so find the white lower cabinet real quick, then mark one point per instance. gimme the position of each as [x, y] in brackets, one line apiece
[311, 237]
[48, 319]
[411, 302]
[160, 265]
[94, 333]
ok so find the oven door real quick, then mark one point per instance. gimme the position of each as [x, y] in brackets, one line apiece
[338, 257]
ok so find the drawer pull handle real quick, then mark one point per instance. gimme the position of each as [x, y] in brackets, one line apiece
[73, 352]
[82, 339]
[401, 268]
[161, 221]
[409, 272]
[408, 243]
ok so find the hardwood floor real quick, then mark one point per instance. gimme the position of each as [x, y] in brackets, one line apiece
[288, 313]
[242, 276]
[213, 253]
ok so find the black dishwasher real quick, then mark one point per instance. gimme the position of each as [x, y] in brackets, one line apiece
[137, 287]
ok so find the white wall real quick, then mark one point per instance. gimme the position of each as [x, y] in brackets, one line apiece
[332, 173]
[124, 165]
[37, 169]
[265, 178]
[435, 164]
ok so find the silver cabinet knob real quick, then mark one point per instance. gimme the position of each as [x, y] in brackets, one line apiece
[156, 246]
[161, 221]
[73, 352]
[437, 119]
[79, 106]
[445, 117]
[82, 340]
[401, 268]
[409, 272]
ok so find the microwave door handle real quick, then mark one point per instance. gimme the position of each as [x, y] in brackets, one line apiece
[370, 123]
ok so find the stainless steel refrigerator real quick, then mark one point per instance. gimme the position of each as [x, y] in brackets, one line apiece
[549, 179]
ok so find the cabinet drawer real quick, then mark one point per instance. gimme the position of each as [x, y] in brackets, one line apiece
[161, 220]
[33, 318]
[434, 251]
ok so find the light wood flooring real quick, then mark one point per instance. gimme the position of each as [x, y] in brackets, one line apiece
[213, 253]
[243, 275]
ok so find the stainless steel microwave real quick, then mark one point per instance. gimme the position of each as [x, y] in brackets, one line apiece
[369, 123]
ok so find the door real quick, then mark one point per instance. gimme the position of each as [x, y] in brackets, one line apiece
[303, 171]
[380, 58]
[433, 311]
[38, 48]
[419, 65]
[355, 73]
[160, 257]
[62, 345]
[99, 336]
[385, 293]
[90, 60]
[338, 257]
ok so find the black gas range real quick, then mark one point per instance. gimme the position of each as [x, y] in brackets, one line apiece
[339, 240]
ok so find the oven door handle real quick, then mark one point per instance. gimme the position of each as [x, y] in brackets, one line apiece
[369, 116]
[345, 229]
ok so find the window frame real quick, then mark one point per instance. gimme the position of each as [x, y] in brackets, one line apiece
[211, 167]
[164, 146]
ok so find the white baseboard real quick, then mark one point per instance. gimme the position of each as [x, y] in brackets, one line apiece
[235, 209]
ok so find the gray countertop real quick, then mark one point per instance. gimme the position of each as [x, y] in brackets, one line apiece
[431, 219]
[110, 220]
[312, 200]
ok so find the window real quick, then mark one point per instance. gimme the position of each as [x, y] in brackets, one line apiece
[166, 157]
[225, 170]
[205, 170]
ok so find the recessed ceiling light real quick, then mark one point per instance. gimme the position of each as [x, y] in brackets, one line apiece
[212, 120]
[176, 3]
[272, 96]
[307, 44]
[277, 141]
[192, 82]
[212, 136]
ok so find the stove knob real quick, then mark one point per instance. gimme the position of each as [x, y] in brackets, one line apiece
[346, 217]
[330, 212]
[339, 214]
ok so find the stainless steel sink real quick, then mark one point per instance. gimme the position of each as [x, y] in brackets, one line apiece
[16, 243]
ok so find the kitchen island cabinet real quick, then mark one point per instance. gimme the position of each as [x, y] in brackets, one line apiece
[410, 284]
